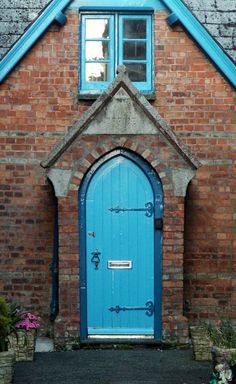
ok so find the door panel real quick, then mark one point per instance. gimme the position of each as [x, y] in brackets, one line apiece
[120, 227]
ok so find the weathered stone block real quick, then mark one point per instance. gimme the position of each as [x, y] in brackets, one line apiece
[23, 344]
[7, 360]
[201, 343]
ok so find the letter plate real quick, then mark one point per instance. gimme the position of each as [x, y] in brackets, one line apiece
[119, 264]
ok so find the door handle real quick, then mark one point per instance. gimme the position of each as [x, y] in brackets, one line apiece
[95, 259]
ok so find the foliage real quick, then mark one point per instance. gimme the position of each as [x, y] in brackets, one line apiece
[5, 323]
[222, 334]
[76, 344]
[232, 360]
[214, 378]
[222, 375]
[9, 317]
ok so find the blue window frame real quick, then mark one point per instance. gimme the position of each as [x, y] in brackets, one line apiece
[135, 49]
[111, 39]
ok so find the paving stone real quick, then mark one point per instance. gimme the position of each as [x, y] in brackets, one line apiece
[113, 366]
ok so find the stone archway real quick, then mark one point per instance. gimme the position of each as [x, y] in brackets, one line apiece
[100, 130]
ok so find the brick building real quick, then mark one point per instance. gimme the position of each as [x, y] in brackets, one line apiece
[117, 163]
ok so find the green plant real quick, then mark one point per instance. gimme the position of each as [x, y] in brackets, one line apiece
[222, 334]
[221, 375]
[232, 360]
[5, 323]
[9, 319]
[15, 316]
[76, 344]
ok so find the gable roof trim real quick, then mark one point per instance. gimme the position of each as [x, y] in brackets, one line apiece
[121, 80]
[52, 12]
[180, 11]
[203, 38]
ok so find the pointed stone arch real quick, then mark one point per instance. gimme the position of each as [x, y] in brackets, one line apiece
[105, 127]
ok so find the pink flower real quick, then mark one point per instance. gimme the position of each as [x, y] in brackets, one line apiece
[30, 321]
[32, 317]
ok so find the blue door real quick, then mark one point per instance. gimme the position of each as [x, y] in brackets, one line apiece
[120, 265]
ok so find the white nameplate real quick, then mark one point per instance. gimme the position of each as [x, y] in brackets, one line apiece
[119, 264]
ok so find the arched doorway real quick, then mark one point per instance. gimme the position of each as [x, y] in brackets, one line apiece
[120, 211]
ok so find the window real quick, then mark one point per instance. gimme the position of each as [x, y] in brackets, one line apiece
[108, 40]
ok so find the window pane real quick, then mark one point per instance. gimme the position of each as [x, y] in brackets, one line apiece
[97, 28]
[96, 72]
[136, 72]
[97, 50]
[134, 29]
[134, 50]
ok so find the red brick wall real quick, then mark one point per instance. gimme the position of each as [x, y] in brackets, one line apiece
[26, 234]
[200, 106]
[38, 103]
[210, 262]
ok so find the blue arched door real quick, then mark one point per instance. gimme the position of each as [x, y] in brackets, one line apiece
[121, 248]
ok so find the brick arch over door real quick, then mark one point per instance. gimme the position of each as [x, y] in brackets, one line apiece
[174, 325]
[127, 144]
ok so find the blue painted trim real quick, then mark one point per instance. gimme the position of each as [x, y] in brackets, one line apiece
[117, 9]
[190, 22]
[145, 86]
[32, 34]
[172, 19]
[118, 331]
[156, 185]
[54, 305]
[204, 39]
[116, 51]
[155, 4]
[82, 249]
[181, 11]
[61, 18]
[98, 86]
